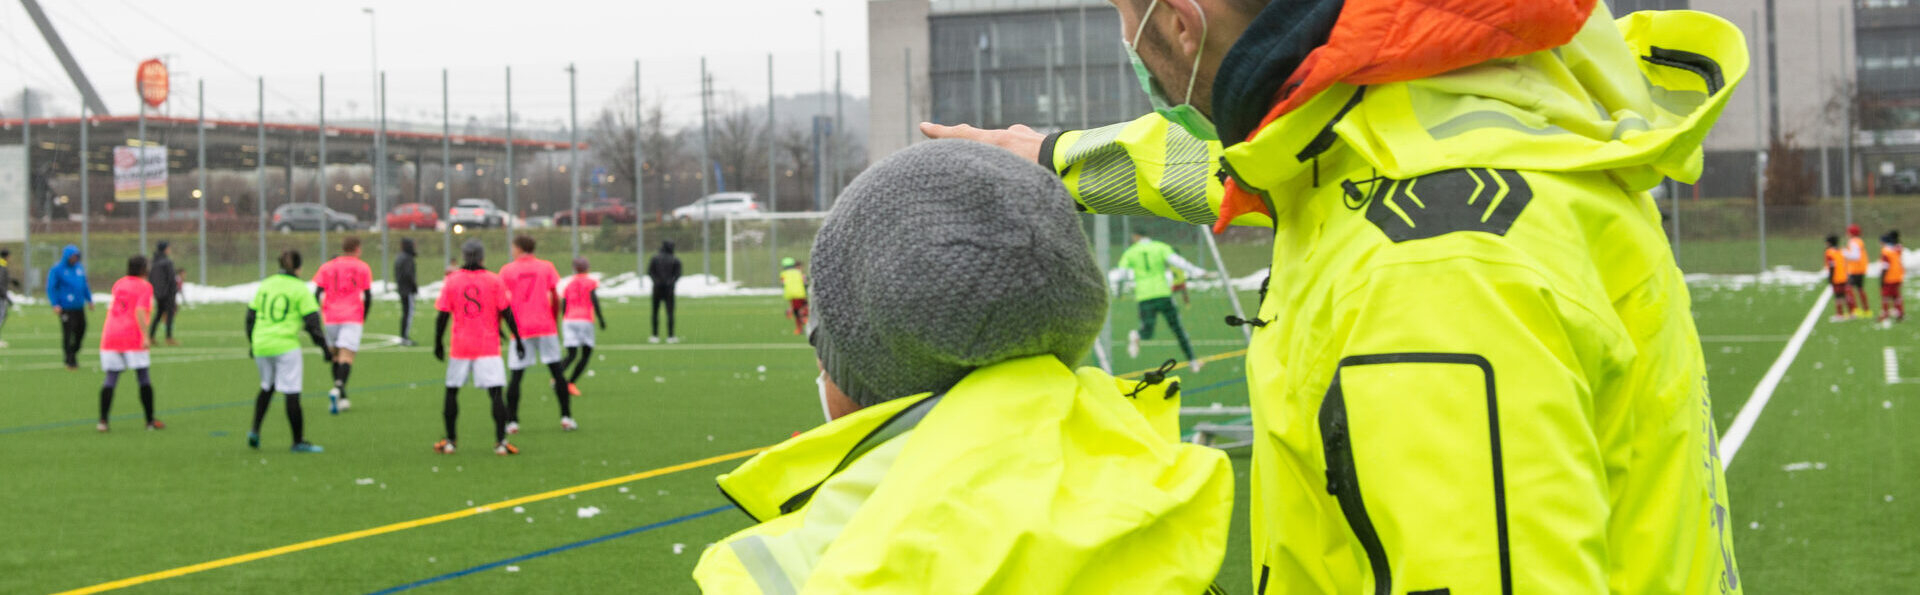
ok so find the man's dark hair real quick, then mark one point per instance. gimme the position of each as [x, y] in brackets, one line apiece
[137, 266]
[5, 253]
[290, 261]
[350, 244]
[524, 243]
[1833, 241]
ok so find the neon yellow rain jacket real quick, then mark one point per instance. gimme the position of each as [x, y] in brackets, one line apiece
[1478, 372]
[1025, 477]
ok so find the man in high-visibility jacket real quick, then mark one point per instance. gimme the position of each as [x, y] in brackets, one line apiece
[964, 454]
[1475, 369]
[793, 287]
[1895, 272]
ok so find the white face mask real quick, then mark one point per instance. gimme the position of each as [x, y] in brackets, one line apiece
[824, 410]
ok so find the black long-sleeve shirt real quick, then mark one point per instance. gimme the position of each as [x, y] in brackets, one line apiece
[664, 270]
[404, 280]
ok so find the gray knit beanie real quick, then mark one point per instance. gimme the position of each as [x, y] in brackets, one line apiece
[943, 258]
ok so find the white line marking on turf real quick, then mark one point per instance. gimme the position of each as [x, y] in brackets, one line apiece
[1750, 412]
[1893, 364]
[1744, 338]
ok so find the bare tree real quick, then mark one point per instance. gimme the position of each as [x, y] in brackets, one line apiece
[740, 146]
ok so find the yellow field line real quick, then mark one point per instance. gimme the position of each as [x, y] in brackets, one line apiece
[1208, 359]
[402, 526]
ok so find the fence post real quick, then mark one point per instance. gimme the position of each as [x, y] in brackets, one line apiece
[639, 184]
[260, 172]
[320, 173]
[200, 194]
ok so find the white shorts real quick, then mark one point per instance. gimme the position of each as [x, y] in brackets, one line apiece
[579, 333]
[121, 361]
[546, 348]
[280, 372]
[345, 335]
[487, 372]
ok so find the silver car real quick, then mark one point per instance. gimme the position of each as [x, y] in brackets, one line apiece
[717, 206]
[476, 212]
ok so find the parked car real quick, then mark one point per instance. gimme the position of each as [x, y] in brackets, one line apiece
[590, 214]
[476, 212]
[413, 215]
[717, 206]
[306, 216]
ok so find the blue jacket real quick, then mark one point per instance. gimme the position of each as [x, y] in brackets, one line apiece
[67, 283]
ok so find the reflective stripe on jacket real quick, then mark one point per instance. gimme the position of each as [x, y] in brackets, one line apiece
[1026, 477]
[1479, 370]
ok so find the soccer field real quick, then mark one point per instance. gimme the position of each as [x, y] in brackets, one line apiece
[1821, 488]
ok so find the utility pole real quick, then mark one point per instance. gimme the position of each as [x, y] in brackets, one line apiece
[705, 174]
[639, 182]
[573, 148]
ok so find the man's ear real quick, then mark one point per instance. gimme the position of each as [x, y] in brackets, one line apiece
[1189, 29]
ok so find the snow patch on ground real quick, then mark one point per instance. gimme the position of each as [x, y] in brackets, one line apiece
[587, 512]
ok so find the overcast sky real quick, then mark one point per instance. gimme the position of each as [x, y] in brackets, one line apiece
[229, 42]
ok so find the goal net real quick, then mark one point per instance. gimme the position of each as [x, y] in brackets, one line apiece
[756, 242]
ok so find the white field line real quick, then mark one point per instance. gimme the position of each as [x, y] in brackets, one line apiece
[1750, 412]
[1893, 364]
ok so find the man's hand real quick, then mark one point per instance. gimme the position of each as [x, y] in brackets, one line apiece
[440, 352]
[329, 353]
[520, 349]
[57, 311]
[1019, 139]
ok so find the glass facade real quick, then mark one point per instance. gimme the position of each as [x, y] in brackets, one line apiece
[1023, 62]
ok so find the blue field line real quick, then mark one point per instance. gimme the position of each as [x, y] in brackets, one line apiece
[552, 550]
[1215, 386]
[165, 412]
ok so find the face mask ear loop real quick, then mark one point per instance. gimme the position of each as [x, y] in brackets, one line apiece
[1141, 29]
[1194, 76]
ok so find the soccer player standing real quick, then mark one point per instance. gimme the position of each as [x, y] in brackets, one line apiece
[1836, 261]
[664, 271]
[280, 310]
[344, 286]
[1147, 261]
[1896, 271]
[122, 344]
[793, 287]
[7, 284]
[475, 301]
[1857, 259]
[582, 302]
[533, 287]
[166, 292]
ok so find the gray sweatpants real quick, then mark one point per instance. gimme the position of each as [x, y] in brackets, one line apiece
[5, 305]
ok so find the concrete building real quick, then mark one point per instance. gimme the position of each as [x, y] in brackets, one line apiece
[1002, 62]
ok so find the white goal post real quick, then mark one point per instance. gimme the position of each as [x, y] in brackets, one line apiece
[746, 231]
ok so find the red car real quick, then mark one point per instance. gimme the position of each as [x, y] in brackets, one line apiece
[590, 214]
[413, 215]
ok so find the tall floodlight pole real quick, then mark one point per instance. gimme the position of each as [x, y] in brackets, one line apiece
[1084, 118]
[141, 159]
[573, 149]
[200, 192]
[380, 183]
[1759, 176]
[86, 200]
[320, 174]
[773, 181]
[260, 176]
[513, 194]
[373, 43]
[446, 165]
[26, 158]
[706, 176]
[640, 185]
[839, 121]
[908, 112]
[1847, 113]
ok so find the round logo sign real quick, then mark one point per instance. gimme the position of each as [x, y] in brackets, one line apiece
[151, 81]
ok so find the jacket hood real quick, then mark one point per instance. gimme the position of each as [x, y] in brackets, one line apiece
[666, 247]
[1634, 97]
[67, 254]
[1025, 477]
[406, 246]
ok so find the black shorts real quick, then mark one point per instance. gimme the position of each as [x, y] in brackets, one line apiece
[1857, 281]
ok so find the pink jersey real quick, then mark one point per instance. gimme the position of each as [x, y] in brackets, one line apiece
[475, 299]
[123, 332]
[580, 297]
[343, 282]
[530, 284]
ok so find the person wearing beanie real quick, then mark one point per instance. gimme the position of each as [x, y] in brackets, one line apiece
[581, 299]
[122, 344]
[664, 272]
[406, 282]
[1892, 274]
[474, 301]
[793, 287]
[1857, 260]
[166, 281]
[952, 294]
[280, 310]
